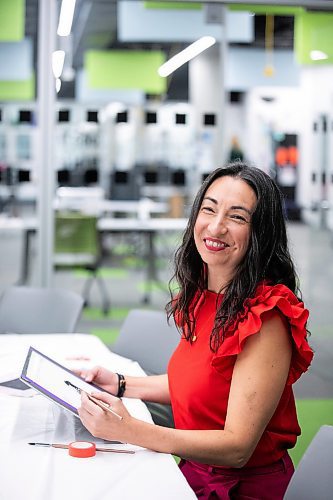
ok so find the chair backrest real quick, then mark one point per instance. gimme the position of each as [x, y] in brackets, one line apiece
[39, 310]
[313, 478]
[146, 337]
[76, 239]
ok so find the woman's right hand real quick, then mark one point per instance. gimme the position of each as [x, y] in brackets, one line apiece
[102, 377]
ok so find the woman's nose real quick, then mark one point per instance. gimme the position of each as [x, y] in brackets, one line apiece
[218, 226]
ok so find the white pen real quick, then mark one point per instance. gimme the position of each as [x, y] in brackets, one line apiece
[99, 403]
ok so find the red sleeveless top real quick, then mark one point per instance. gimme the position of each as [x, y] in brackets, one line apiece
[199, 380]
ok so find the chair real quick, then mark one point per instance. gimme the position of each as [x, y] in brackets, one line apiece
[313, 478]
[77, 245]
[147, 338]
[39, 310]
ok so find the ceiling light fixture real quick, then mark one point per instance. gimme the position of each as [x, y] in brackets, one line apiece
[58, 59]
[186, 55]
[318, 55]
[66, 17]
[58, 85]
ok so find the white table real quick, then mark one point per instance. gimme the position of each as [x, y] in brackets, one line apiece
[36, 473]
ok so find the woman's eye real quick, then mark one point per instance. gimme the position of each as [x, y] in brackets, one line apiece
[238, 218]
[207, 209]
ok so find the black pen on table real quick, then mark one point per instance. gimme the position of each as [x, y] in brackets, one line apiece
[99, 403]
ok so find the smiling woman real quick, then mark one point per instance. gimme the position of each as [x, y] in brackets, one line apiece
[222, 228]
[243, 344]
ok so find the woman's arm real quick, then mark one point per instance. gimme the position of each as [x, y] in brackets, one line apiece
[258, 381]
[153, 388]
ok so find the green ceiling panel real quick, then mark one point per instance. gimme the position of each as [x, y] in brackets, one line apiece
[17, 90]
[125, 69]
[277, 10]
[313, 31]
[173, 5]
[12, 17]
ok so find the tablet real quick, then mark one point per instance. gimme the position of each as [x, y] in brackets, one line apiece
[54, 381]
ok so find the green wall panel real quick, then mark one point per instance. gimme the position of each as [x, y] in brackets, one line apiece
[12, 18]
[173, 5]
[17, 90]
[313, 31]
[125, 69]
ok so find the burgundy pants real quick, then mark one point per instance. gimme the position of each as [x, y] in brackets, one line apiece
[253, 483]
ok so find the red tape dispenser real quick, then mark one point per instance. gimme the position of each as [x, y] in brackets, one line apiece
[82, 449]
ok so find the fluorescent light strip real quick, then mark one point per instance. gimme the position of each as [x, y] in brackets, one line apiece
[58, 85]
[318, 55]
[66, 17]
[186, 55]
[58, 59]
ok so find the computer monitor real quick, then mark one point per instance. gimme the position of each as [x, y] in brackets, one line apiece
[63, 115]
[180, 119]
[151, 117]
[63, 177]
[209, 119]
[122, 117]
[178, 178]
[120, 177]
[150, 177]
[25, 116]
[23, 175]
[92, 116]
[90, 176]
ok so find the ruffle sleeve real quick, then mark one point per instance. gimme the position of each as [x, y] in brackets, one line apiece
[269, 297]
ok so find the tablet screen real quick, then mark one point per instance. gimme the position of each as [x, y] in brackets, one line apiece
[55, 381]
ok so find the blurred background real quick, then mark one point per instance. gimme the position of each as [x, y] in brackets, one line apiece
[102, 149]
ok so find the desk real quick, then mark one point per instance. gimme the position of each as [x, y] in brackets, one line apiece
[47, 473]
[106, 225]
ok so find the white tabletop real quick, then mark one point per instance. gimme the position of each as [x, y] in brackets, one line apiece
[35, 473]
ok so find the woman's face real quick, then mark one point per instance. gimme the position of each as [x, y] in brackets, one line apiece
[223, 227]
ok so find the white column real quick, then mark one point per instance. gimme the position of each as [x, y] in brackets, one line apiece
[46, 99]
[207, 95]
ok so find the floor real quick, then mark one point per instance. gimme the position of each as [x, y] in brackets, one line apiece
[124, 275]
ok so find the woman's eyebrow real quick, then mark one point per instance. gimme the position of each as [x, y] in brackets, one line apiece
[210, 199]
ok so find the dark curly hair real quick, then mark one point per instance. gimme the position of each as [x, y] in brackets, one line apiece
[267, 257]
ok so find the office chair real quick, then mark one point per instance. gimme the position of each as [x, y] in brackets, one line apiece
[313, 478]
[77, 246]
[39, 310]
[147, 338]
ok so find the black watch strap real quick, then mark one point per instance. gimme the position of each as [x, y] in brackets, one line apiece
[121, 385]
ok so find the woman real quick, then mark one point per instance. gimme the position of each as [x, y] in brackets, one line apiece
[243, 344]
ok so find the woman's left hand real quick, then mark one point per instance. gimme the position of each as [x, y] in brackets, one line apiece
[102, 423]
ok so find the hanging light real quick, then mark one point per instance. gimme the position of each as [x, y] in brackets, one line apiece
[269, 69]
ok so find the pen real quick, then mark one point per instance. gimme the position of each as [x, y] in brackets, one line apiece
[65, 446]
[99, 403]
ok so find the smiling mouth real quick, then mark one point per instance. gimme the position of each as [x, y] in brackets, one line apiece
[215, 245]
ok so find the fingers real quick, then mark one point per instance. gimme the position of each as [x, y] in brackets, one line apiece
[88, 406]
[105, 397]
[91, 374]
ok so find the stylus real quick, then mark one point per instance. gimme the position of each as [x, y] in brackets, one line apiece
[65, 446]
[99, 403]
